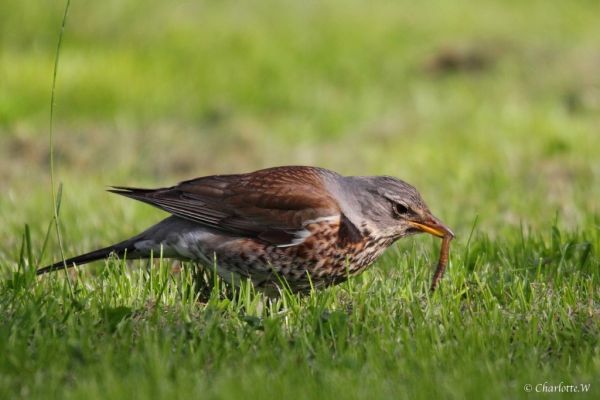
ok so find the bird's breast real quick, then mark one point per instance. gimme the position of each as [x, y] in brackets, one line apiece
[323, 258]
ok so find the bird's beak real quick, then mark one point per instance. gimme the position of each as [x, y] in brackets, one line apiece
[433, 226]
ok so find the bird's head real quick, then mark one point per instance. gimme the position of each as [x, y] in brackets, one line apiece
[395, 209]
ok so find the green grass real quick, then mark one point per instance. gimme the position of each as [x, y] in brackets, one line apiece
[148, 93]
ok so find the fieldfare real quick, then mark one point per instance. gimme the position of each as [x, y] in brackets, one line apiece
[307, 226]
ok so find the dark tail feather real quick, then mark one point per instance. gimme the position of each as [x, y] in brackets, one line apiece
[119, 249]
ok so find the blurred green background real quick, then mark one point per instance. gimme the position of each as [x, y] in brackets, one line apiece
[491, 109]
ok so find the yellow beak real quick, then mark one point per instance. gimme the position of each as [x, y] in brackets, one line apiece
[433, 227]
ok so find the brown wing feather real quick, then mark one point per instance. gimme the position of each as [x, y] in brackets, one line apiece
[272, 205]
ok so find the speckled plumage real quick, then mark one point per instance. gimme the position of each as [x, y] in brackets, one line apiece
[307, 225]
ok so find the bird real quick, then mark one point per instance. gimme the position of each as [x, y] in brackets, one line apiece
[298, 227]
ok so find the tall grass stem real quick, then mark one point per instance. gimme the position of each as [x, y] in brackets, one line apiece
[56, 197]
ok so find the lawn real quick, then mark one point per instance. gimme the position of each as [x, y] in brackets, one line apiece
[491, 109]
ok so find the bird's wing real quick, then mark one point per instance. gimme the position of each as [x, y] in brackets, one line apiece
[273, 205]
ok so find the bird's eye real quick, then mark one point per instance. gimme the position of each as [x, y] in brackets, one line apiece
[400, 209]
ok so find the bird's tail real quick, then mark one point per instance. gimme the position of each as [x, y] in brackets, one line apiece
[152, 241]
[118, 249]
